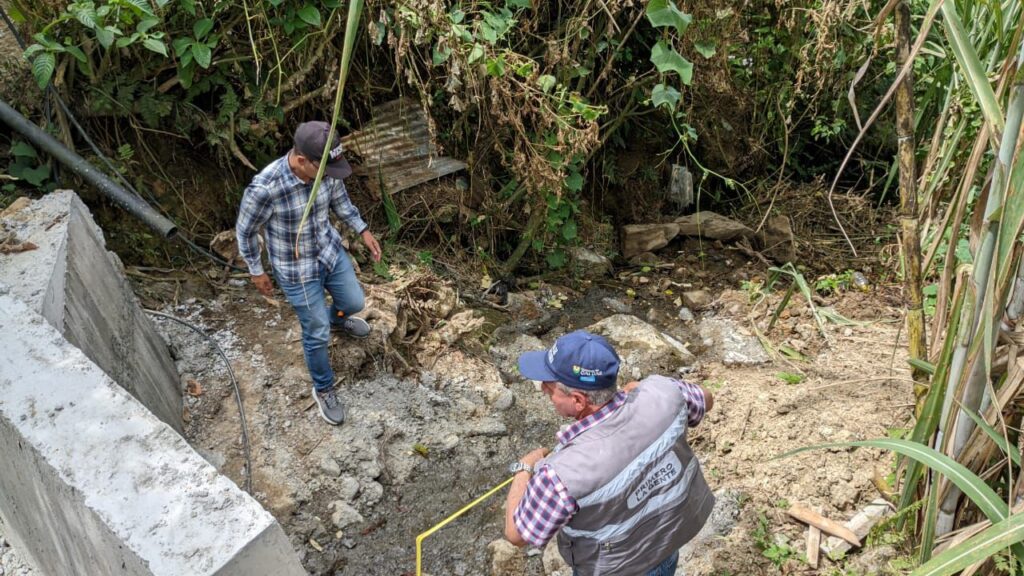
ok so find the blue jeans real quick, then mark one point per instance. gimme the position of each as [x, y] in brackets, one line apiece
[316, 317]
[666, 568]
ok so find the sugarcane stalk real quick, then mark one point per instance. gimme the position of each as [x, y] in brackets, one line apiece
[975, 386]
[911, 244]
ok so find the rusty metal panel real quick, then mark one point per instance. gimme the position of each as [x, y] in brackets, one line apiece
[396, 149]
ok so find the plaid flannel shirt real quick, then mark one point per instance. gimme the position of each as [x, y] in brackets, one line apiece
[276, 198]
[547, 506]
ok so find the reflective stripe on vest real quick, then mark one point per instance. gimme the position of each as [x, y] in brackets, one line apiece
[630, 473]
[653, 506]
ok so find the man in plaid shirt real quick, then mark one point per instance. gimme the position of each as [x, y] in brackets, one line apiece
[310, 261]
[627, 502]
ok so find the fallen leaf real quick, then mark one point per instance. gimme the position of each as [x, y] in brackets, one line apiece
[194, 388]
[272, 302]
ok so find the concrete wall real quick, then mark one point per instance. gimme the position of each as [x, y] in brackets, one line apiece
[79, 287]
[92, 483]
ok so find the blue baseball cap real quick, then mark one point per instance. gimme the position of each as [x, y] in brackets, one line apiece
[578, 360]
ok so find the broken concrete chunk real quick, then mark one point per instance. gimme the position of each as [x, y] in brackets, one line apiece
[730, 344]
[330, 468]
[344, 514]
[860, 525]
[348, 488]
[712, 226]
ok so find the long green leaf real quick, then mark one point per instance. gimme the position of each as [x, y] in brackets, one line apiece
[975, 488]
[968, 59]
[999, 536]
[996, 437]
[355, 11]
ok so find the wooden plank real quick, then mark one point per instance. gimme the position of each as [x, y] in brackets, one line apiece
[808, 516]
[813, 545]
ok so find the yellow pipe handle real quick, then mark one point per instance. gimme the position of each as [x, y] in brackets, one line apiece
[443, 523]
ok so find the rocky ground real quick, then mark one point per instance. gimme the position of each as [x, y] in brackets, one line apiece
[436, 411]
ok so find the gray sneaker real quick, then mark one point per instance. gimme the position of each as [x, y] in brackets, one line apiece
[352, 326]
[332, 409]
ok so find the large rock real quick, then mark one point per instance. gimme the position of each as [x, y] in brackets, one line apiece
[777, 240]
[642, 348]
[712, 226]
[640, 238]
[590, 264]
[732, 344]
[506, 353]
[506, 559]
[554, 564]
[458, 370]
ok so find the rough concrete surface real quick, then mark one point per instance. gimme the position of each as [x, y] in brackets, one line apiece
[79, 287]
[11, 563]
[93, 483]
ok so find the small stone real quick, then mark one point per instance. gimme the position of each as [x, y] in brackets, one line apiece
[784, 408]
[685, 315]
[450, 442]
[847, 332]
[488, 427]
[329, 466]
[344, 515]
[370, 469]
[696, 299]
[505, 400]
[372, 492]
[348, 489]
[616, 305]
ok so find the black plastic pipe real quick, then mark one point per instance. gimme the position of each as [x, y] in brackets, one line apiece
[133, 204]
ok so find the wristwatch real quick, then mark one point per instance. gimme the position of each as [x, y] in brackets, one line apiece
[517, 467]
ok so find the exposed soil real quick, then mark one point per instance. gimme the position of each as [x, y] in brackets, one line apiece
[420, 442]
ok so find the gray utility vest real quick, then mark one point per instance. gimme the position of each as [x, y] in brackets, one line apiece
[639, 487]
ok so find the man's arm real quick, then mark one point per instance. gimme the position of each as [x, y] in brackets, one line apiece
[253, 212]
[345, 210]
[538, 506]
[515, 495]
[343, 207]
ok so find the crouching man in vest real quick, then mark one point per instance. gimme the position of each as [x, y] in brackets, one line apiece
[622, 490]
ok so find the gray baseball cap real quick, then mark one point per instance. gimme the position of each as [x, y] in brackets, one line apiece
[310, 141]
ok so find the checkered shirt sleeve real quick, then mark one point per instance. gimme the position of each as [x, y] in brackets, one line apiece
[695, 400]
[255, 210]
[345, 210]
[545, 508]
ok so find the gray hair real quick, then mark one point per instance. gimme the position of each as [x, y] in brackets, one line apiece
[598, 397]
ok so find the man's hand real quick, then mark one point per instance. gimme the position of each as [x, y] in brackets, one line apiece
[263, 284]
[372, 244]
[532, 458]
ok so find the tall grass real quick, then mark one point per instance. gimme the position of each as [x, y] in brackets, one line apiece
[972, 193]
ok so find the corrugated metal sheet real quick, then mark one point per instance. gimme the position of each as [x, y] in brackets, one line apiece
[396, 149]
